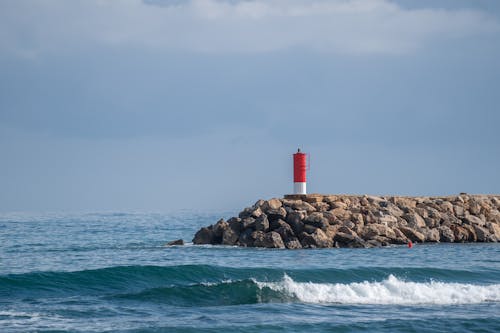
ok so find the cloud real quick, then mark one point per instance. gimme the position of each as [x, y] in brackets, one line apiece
[338, 26]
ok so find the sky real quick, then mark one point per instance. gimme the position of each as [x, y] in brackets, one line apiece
[167, 105]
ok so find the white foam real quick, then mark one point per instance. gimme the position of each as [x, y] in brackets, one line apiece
[389, 291]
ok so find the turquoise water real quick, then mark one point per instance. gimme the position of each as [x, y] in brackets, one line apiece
[112, 273]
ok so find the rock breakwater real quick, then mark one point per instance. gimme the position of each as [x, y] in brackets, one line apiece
[322, 221]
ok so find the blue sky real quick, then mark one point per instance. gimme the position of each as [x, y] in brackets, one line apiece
[166, 105]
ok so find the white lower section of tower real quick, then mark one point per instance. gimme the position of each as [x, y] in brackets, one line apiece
[299, 188]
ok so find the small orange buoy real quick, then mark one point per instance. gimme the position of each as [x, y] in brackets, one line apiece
[410, 244]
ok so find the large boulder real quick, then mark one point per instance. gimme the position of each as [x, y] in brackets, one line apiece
[414, 220]
[431, 235]
[286, 232]
[230, 236]
[483, 234]
[305, 206]
[473, 220]
[271, 204]
[316, 239]
[293, 243]
[219, 228]
[413, 235]
[262, 223]
[275, 214]
[270, 240]
[372, 230]
[204, 236]
[346, 240]
[446, 234]
[317, 220]
[246, 238]
[294, 219]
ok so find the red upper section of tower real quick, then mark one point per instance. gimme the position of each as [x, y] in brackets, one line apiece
[299, 167]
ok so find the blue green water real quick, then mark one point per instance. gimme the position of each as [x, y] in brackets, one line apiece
[112, 273]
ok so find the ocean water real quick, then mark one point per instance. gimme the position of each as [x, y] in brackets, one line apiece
[112, 273]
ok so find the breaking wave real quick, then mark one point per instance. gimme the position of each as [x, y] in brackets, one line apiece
[389, 291]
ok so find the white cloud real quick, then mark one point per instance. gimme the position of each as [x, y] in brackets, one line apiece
[337, 26]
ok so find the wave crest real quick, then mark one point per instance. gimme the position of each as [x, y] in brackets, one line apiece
[389, 291]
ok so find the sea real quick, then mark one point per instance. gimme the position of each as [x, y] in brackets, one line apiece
[111, 272]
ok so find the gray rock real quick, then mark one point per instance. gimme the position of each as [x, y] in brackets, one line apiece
[204, 236]
[412, 234]
[262, 223]
[270, 240]
[345, 240]
[275, 214]
[175, 242]
[294, 219]
[248, 222]
[293, 243]
[473, 220]
[219, 228]
[446, 234]
[316, 239]
[230, 236]
[483, 234]
[414, 220]
[246, 238]
[317, 220]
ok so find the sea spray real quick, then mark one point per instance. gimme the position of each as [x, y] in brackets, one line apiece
[389, 291]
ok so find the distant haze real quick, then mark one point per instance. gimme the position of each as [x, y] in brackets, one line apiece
[163, 105]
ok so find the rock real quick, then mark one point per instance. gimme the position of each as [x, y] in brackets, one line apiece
[446, 234]
[345, 240]
[270, 240]
[175, 242]
[392, 210]
[494, 229]
[339, 204]
[372, 230]
[387, 220]
[262, 223]
[246, 238]
[483, 234]
[302, 205]
[459, 210]
[459, 233]
[219, 228]
[431, 235]
[341, 213]
[412, 234]
[271, 204]
[276, 224]
[275, 214]
[321, 206]
[230, 236]
[248, 222]
[316, 239]
[471, 232]
[309, 229]
[204, 236]
[286, 232]
[404, 203]
[294, 219]
[414, 220]
[293, 243]
[446, 207]
[473, 220]
[317, 220]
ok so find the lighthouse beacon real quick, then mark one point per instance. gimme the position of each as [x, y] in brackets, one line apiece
[299, 173]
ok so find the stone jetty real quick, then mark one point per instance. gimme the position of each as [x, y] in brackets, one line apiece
[358, 221]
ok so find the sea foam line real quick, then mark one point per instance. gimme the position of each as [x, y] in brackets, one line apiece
[389, 291]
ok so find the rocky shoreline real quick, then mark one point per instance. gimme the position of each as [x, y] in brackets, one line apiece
[360, 221]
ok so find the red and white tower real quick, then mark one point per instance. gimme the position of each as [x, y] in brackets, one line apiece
[299, 173]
